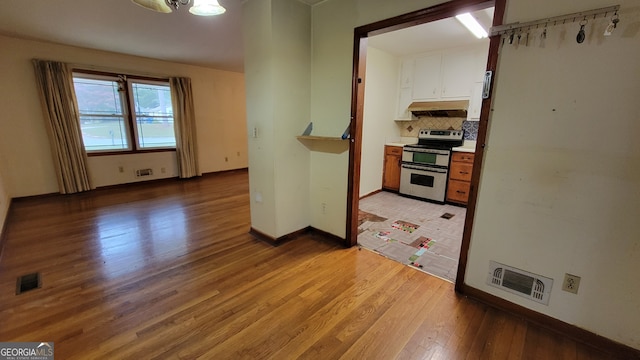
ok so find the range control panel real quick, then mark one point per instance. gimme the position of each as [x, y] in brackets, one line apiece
[432, 134]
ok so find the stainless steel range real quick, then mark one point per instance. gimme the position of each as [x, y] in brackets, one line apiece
[425, 165]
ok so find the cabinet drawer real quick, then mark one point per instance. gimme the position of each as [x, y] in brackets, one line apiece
[458, 191]
[460, 171]
[393, 150]
[462, 157]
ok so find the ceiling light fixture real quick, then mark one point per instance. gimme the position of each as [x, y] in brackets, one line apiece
[472, 25]
[200, 7]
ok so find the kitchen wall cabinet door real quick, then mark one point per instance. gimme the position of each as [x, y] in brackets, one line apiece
[392, 166]
[404, 100]
[406, 73]
[458, 73]
[426, 77]
[475, 102]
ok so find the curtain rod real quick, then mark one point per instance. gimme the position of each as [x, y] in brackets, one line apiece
[578, 16]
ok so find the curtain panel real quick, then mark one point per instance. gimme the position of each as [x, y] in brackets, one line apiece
[185, 127]
[60, 110]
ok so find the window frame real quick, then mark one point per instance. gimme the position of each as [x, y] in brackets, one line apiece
[127, 104]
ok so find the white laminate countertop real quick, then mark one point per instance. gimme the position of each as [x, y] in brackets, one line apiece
[395, 144]
[467, 146]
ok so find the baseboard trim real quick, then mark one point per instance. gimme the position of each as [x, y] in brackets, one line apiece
[576, 333]
[130, 184]
[3, 233]
[372, 193]
[323, 235]
[329, 236]
[280, 240]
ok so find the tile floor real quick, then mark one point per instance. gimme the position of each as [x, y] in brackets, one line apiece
[413, 232]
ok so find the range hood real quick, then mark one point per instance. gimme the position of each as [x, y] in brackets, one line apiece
[457, 108]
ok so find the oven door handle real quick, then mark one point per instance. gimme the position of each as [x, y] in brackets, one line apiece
[428, 169]
[430, 151]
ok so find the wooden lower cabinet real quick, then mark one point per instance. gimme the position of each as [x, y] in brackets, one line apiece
[392, 165]
[460, 177]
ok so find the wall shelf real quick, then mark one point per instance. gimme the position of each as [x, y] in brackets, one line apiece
[323, 138]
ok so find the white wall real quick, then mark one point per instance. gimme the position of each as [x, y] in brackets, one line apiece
[560, 187]
[559, 190]
[332, 64]
[381, 95]
[219, 100]
[277, 70]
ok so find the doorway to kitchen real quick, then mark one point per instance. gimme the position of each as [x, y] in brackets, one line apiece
[407, 233]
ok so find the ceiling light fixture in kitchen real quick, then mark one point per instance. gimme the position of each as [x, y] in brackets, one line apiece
[472, 25]
[200, 7]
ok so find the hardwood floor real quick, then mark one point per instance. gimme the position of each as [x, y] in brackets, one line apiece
[167, 270]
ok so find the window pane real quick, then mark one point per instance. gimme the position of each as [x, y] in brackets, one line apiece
[153, 115]
[103, 133]
[101, 118]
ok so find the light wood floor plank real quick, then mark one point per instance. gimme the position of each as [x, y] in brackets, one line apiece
[168, 270]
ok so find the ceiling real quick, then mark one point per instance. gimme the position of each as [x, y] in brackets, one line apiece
[441, 34]
[122, 26]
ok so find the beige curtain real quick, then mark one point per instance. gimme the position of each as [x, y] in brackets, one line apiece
[59, 106]
[185, 127]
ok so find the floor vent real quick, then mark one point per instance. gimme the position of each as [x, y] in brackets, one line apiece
[523, 283]
[144, 172]
[28, 282]
[447, 216]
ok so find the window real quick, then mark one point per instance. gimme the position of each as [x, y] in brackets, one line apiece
[124, 114]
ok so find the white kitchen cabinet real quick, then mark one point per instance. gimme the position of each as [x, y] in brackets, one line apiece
[404, 100]
[480, 63]
[406, 73]
[457, 73]
[475, 102]
[426, 77]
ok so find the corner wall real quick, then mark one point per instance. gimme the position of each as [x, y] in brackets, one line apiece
[333, 23]
[219, 100]
[381, 95]
[277, 71]
[560, 186]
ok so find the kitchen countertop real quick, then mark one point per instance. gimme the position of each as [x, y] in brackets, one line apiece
[468, 146]
[395, 144]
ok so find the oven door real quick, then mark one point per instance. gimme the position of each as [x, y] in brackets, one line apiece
[426, 156]
[425, 182]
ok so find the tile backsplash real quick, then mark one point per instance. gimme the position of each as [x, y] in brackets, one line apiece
[470, 130]
[410, 128]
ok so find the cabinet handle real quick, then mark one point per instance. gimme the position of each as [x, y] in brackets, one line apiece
[464, 172]
[461, 192]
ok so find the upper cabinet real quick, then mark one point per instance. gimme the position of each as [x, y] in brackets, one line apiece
[426, 73]
[406, 74]
[457, 73]
[449, 74]
[475, 102]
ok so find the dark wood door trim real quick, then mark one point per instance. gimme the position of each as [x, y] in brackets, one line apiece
[361, 34]
[492, 63]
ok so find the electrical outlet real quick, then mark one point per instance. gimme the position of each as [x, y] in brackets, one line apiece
[571, 283]
[324, 208]
[226, 159]
[121, 169]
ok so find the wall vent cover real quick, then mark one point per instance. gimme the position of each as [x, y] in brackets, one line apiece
[144, 172]
[523, 283]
